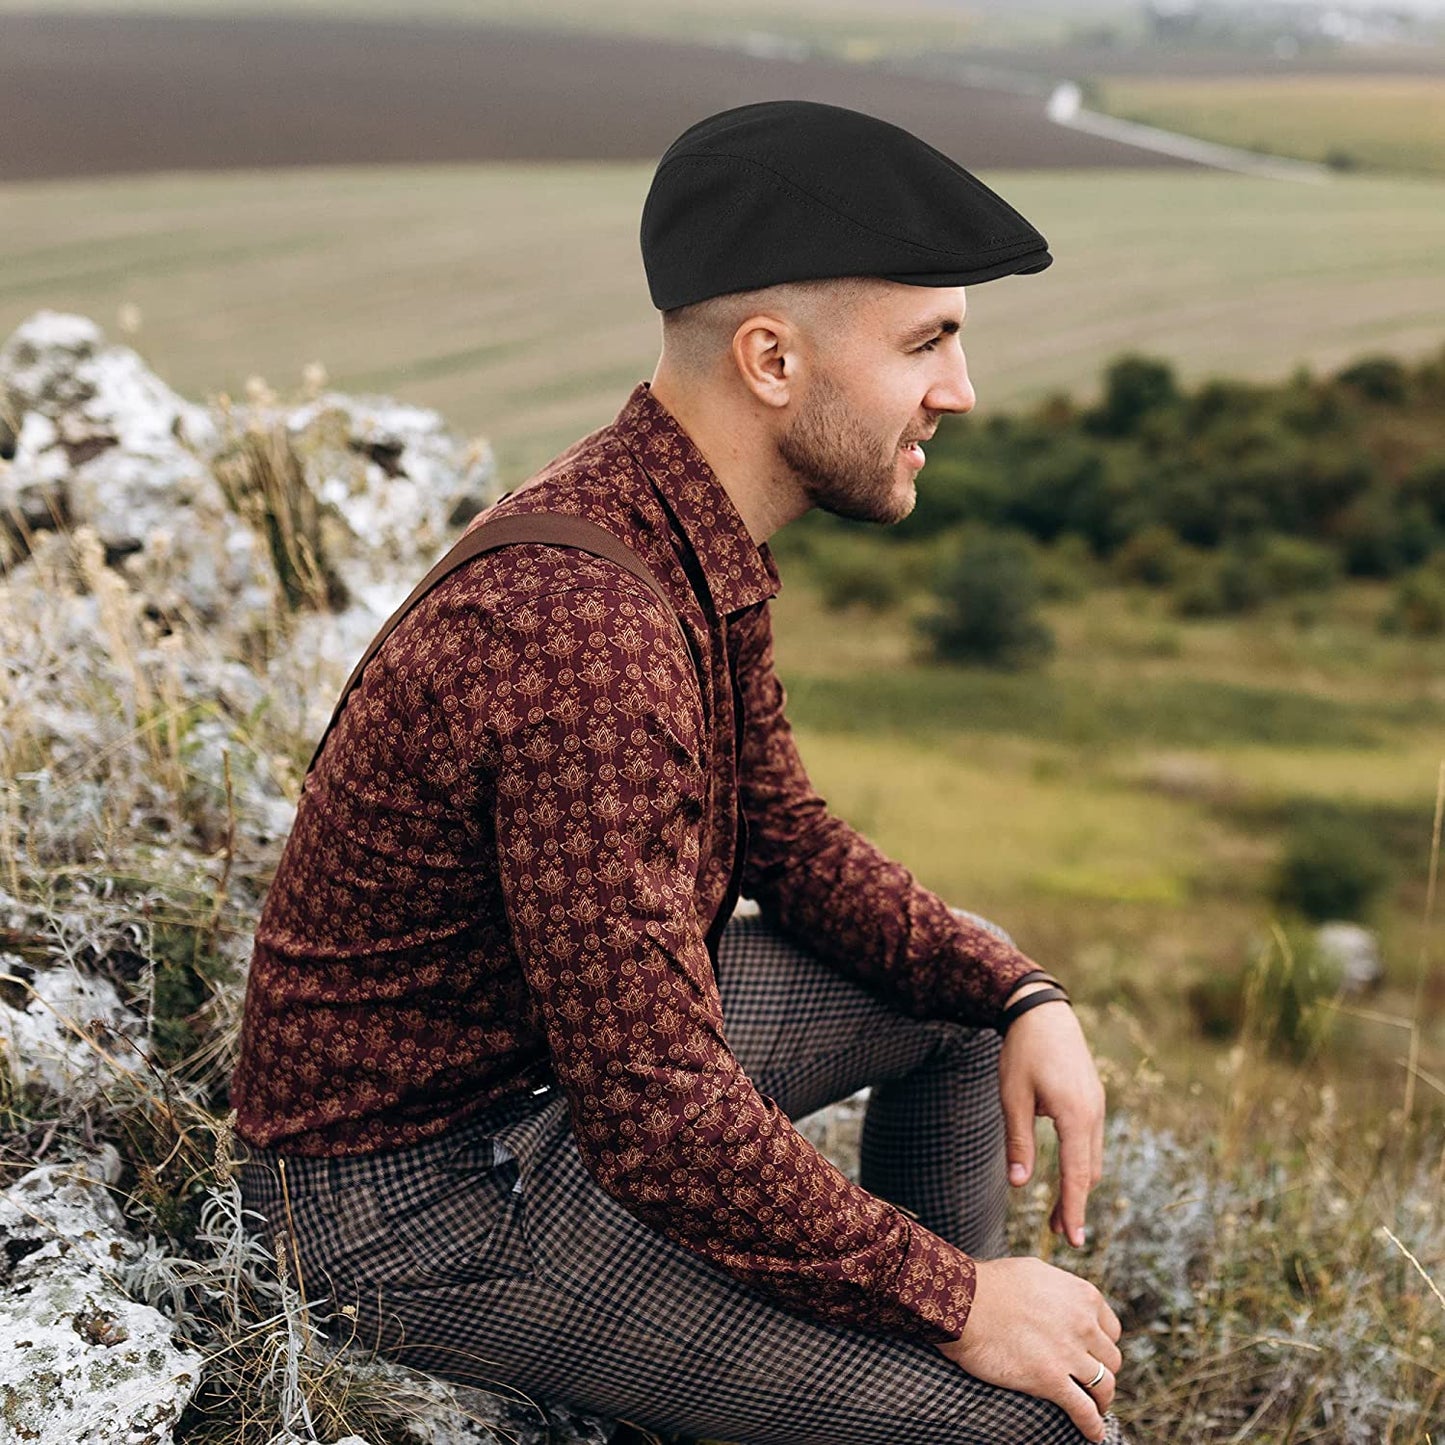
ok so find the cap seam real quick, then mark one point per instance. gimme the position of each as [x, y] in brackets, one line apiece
[1029, 244]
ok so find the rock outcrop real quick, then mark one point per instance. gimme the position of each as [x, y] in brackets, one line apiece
[191, 503]
[66, 1031]
[83, 1361]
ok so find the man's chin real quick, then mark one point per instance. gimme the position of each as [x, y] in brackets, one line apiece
[909, 502]
[884, 513]
[901, 502]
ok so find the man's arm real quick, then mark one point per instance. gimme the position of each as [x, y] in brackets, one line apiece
[871, 920]
[590, 710]
[826, 885]
[1031, 1327]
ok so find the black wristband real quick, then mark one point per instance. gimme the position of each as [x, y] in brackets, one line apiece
[1033, 1000]
[1036, 975]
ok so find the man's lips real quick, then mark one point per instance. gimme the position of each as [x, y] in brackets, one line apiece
[912, 449]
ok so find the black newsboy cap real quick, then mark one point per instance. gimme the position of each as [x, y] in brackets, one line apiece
[793, 190]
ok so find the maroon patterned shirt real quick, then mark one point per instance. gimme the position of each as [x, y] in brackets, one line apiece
[511, 862]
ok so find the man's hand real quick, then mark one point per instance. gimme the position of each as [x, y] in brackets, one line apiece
[1042, 1331]
[1046, 1069]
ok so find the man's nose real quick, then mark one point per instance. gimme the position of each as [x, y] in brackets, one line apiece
[953, 392]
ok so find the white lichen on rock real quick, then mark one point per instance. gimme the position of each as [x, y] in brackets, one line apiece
[395, 474]
[83, 1361]
[70, 1035]
[101, 441]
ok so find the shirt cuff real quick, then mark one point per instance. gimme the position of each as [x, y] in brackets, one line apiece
[934, 1288]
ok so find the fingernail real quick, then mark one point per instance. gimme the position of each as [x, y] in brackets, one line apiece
[1078, 1238]
[1017, 1174]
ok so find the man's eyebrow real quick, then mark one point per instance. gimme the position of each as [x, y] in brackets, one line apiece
[944, 324]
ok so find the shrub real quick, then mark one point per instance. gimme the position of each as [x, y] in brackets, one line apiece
[1288, 565]
[1425, 485]
[1378, 378]
[1278, 998]
[1330, 868]
[1375, 536]
[1418, 606]
[987, 593]
[1220, 584]
[1154, 556]
[1066, 484]
[1311, 409]
[853, 570]
[1134, 386]
[1287, 989]
[1066, 570]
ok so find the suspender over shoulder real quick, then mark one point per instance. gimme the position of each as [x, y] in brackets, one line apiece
[548, 528]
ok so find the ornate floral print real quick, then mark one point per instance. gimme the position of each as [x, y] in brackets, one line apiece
[511, 861]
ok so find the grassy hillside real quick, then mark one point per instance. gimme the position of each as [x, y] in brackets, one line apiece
[1379, 122]
[512, 297]
[1123, 811]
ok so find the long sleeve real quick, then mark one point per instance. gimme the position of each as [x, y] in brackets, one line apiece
[826, 885]
[594, 722]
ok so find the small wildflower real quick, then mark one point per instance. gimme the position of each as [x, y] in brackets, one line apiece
[313, 379]
[258, 393]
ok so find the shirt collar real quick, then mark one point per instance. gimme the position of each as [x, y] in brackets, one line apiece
[738, 571]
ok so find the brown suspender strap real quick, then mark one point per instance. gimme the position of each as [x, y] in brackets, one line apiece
[551, 529]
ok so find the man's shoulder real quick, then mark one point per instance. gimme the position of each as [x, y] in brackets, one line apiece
[601, 460]
[526, 586]
[597, 480]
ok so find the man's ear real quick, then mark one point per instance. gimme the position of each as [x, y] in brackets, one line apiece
[765, 352]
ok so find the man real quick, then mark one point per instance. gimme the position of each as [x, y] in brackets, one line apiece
[518, 1082]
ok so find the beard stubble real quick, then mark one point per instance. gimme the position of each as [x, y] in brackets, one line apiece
[842, 466]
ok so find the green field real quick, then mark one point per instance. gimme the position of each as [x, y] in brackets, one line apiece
[1121, 811]
[1379, 122]
[512, 296]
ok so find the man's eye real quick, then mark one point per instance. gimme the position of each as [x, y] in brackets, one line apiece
[929, 345]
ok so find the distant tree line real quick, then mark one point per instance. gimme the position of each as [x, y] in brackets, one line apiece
[1222, 496]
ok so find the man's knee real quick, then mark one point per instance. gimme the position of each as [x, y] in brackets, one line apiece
[970, 1051]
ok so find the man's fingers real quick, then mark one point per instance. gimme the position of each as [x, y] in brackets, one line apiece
[1074, 1173]
[1102, 1394]
[1079, 1405]
[1017, 1098]
[1097, 1172]
[1109, 1321]
[1106, 1352]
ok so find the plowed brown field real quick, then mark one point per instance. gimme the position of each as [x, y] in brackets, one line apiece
[102, 95]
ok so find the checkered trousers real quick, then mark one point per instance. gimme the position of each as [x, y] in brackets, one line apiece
[490, 1256]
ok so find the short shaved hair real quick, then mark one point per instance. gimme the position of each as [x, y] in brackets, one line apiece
[695, 338]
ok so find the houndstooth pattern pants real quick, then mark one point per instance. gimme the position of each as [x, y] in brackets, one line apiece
[489, 1255]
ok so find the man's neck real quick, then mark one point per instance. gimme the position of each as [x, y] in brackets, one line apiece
[741, 456]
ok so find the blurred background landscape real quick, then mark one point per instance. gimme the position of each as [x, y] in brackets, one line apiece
[1155, 674]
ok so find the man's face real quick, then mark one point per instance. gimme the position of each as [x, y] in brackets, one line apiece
[878, 388]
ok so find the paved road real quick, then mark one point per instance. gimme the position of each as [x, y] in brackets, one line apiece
[97, 95]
